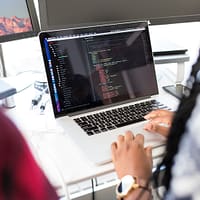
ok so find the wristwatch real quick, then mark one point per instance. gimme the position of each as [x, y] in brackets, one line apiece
[127, 184]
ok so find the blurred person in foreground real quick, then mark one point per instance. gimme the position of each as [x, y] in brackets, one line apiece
[20, 176]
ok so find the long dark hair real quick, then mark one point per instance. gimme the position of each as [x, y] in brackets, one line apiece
[178, 127]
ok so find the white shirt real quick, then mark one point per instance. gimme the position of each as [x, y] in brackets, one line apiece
[185, 182]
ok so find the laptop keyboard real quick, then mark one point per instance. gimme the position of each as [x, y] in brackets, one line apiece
[119, 117]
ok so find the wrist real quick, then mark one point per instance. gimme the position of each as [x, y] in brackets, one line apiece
[130, 184]
[143, 183]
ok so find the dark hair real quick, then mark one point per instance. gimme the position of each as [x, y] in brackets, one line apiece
[178, 127]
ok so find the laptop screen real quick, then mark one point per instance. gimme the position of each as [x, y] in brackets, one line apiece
[97, 66]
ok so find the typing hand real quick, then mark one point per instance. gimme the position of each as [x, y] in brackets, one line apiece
[130, 157]
[159, 121]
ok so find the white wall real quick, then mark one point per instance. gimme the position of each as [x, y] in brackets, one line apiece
[186, 35]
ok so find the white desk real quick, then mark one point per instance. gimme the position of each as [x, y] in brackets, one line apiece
[61, 159]
[180, 59]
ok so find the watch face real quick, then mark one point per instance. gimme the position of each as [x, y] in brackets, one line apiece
[125, 185]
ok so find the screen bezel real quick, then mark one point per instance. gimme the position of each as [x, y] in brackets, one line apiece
[34, 22]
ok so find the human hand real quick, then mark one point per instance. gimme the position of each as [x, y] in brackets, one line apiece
[159, 121]
[131, 158]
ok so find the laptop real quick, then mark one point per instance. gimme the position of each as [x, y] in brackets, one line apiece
[164, 47]
[95, 74]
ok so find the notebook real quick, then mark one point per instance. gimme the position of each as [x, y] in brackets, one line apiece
[96, 71]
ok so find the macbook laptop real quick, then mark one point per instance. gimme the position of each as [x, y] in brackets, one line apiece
[102, 82]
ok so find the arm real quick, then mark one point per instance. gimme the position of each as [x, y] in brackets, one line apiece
[131, 158]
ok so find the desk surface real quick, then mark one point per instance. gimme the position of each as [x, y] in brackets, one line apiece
[173, 58]
[60, 158]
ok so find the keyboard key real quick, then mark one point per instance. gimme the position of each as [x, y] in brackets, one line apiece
[119, 117]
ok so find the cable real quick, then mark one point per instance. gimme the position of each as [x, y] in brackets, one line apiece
[93, 192]
[29, 71]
